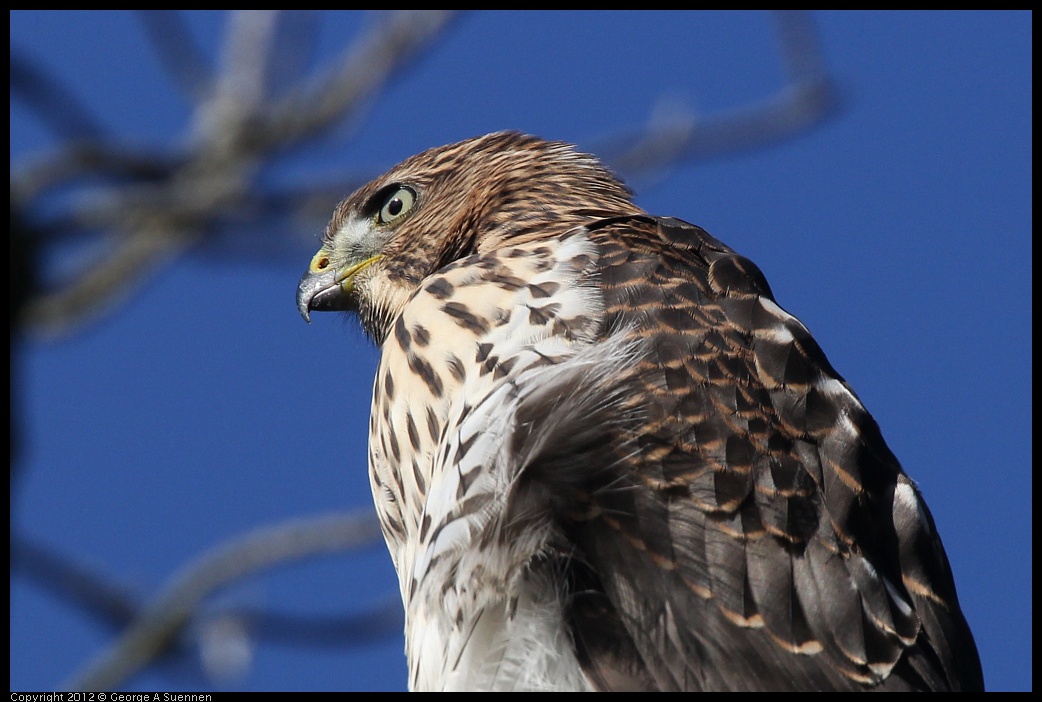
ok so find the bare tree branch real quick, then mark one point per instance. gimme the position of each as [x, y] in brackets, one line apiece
[56, 105]
[808, 99]
[98, 595]
[178, 51]
[802, 56]
[115, 605]
[86, 159]
[235, 130]
[356, 76]
[241, 86]
[160, 621]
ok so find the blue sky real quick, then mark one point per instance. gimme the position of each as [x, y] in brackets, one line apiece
[203, 407]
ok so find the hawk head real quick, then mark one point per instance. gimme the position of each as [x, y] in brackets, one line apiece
[446, 203]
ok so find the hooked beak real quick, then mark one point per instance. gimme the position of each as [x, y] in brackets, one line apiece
[328, 289]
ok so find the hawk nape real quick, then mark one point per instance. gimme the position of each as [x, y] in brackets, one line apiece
[604, 458]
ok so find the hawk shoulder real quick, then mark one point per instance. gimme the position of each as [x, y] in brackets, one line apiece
[753, 508]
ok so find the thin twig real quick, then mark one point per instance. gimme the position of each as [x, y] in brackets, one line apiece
[808, 99]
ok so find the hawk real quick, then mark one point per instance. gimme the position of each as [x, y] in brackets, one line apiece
[604, 458]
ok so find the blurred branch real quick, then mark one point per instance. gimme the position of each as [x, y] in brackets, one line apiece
[55, 104]
[808, 99]
[236, 129]
[178, 51]
[360, 72]
[86, 159]
[157, 625]
[116, 605]
[98, 595]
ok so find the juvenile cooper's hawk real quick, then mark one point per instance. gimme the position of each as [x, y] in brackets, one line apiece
[604, 458]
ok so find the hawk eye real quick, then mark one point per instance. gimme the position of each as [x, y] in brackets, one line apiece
[396, 205]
